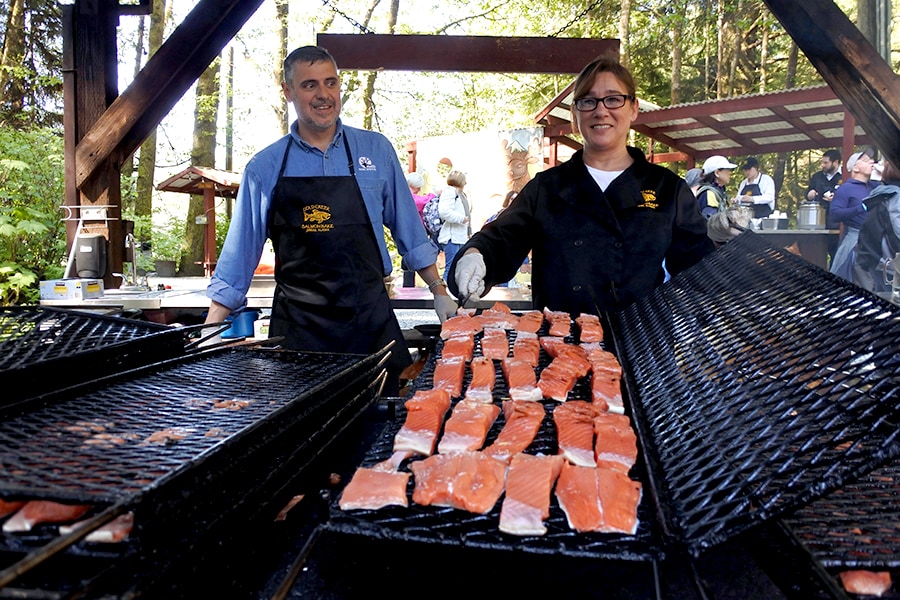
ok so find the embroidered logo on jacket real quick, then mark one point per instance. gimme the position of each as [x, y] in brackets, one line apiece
[366, 164]
[314, 217]
[648, 200]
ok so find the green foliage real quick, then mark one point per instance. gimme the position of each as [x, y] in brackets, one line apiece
[32, 232]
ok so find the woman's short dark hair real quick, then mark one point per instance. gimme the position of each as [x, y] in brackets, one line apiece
[308, 54]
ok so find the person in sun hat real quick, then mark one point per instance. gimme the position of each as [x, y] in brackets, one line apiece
[711, 196]
[692, 178]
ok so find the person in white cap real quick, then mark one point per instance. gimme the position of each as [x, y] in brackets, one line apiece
[849, 210]
[711, 196]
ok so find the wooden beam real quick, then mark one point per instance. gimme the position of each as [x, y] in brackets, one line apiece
[487, 54]
[161, 83]
[852, 67]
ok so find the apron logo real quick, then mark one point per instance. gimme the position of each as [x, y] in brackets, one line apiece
[366, 164]
[648, 199]
[314, 217]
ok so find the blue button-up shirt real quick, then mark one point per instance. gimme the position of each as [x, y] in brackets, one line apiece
[381, 180]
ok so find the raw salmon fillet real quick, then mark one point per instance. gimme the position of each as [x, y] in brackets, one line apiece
[8, 508]
[529, 484]
[43, 511]
[468, 426]
[521, 380]
[372, 489]
[110, 533]
[868, 583]
[481, 387]
[606, 375]
[616, 440]
[471, 481]
[551, 344]
[499, 315]
[527, 348]
[448, 374]
[597, 499]
[530, 321]
[574, 422]
[560, 323]
[576, 492]
[589, 328]
[462, 345]
[424, 417]
[460, 324]
[557, 379]
[495, 343]
[523, 420]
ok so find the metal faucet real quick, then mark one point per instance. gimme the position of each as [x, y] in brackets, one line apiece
[129, 243]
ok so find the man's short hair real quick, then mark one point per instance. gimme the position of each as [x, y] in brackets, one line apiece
[832, 155]
[308, 54]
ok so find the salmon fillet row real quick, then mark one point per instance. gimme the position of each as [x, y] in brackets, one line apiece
[35, 512]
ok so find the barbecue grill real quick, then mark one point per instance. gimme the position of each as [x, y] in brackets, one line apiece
[43, 349]
[245, 425]
[756, 382]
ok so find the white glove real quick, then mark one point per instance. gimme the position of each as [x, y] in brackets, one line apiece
[444, 306]
[470, 273]
[212, 340]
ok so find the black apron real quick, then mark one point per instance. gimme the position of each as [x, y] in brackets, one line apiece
[329, 294]
[760, 211]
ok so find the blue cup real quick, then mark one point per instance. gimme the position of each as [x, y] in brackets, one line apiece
[241, 325]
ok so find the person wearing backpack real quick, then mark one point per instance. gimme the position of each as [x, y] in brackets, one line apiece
[879, 236]
[711, 196]
[456, 214]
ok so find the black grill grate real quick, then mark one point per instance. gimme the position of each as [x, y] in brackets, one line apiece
[451, 527]
[93, 447]
[759, 383]
[44, 349]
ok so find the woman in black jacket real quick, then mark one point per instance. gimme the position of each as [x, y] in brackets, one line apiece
[598, 226]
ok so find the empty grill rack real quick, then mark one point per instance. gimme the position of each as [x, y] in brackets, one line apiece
[758, 382]
[236, 425]
[43, 349]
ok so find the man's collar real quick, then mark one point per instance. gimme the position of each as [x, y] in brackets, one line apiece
[338, 133]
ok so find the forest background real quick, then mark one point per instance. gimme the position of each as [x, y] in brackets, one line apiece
[679, 50]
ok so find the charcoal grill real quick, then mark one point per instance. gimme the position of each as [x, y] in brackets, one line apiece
[234, 461]
[756, 382]
[43, 349]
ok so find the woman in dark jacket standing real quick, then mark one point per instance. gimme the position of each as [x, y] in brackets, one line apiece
[599, 225]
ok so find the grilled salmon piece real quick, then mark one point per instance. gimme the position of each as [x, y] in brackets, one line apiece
[481, 386]
[868, 583]
[560, 323]
[448, 375]
[8, 508]
[495, 343]
[43, 511]
[529, 484]
[424, 418]
[598, 499]
[619, 499]
[503, 319]
[372, 489]
[523, 420]
[558, 379]
[468, 426]
[521, 380]
[575, 431]
[471, 481]
[110, 533]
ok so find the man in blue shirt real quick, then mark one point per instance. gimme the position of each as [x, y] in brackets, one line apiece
[323, 194]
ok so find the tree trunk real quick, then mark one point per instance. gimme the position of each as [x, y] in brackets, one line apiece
[11, 90]
[677, 22]
[143, 206]
[282, 12]
[720, 49]
[625, 32]
[203, 154]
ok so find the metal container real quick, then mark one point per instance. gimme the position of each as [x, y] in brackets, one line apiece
[811, 215]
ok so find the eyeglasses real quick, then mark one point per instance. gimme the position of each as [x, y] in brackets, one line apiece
[614, 101]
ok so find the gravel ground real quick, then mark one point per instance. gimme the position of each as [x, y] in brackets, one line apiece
[410, 318]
